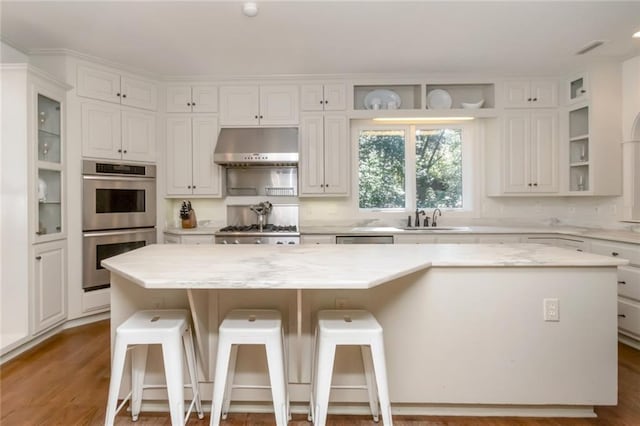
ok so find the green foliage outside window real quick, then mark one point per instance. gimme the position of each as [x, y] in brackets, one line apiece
[382, 171]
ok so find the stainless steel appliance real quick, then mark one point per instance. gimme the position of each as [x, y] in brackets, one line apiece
[281, 225]
[104, 244]
[118, 196]
[119, 214]
[364, 239]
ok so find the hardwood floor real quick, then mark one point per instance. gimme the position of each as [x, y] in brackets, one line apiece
[64, 381]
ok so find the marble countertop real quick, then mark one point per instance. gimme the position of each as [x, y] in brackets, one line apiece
[323, 266]
[601, 234]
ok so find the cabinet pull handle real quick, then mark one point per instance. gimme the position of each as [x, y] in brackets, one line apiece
[38, 257]
[583, 91]
[622, 282]
[579, 250]
[615, 253]
[622, 316]
[38, 233]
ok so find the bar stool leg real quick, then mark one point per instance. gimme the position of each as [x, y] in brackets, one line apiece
[314, 373]
[367, 361]
[173, 365]
[222, 367]
[138, 367]
[230, 376]
[326, 353]
[117, 368]
[187, 340]
[275, 361]
[379, 363]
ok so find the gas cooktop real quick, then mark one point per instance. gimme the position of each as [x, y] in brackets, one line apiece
[268, 228]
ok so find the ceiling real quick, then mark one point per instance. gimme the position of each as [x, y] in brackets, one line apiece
[214, 38]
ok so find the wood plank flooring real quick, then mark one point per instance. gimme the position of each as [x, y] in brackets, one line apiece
[64, 381]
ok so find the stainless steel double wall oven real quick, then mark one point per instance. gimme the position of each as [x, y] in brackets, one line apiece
[119, 214]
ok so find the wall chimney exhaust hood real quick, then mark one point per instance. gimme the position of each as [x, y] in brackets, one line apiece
[266, 146]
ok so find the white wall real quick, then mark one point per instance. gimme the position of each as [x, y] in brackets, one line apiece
[10, 55]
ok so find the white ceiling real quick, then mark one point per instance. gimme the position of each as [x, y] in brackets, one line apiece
[182, 38]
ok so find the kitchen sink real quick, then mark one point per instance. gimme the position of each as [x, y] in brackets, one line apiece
[438, 228]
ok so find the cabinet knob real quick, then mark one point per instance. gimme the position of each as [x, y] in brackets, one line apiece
[119, 150]
[615, 253]
[535, 184]
[535, 99]
[188, 103]
[321, 102]
[38, 233]
[326, 102]
[255, 116]
[38, 257]
[528, 99]
[194, 187]
[583, 91]
[124, 95]
[529, 184]
[622, 316]
[125, 151]
[193, 104]
[326, 185]
[118, 94]
[188, 186]
[322, 185]
[261, 117]
[622, 282]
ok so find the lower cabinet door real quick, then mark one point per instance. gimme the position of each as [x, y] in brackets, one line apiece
[49, 285]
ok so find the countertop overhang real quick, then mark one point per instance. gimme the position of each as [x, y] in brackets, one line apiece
[324, 266]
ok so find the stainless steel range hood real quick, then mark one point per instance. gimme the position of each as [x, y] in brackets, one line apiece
[271, 146]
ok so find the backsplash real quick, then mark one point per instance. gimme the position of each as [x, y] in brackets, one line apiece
[590, 212]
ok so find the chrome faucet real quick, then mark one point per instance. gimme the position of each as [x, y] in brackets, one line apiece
[417, 221]
[433, 218]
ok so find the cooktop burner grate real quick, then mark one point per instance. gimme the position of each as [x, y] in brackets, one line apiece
[255, 228]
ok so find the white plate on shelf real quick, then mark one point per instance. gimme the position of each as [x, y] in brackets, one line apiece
[439, 99]
[382, 99]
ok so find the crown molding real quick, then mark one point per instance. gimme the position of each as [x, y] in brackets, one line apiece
[35, 71]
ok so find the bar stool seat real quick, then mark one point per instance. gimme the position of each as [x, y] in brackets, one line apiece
[349, 327]
[250, 327]
[169, 328]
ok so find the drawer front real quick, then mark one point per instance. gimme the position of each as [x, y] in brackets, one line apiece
[197, 239]
[631, 252]
[629, 282]
[629, 316]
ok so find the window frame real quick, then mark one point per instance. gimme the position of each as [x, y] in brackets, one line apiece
[469, 170]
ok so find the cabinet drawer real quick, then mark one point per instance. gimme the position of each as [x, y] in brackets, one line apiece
[631, 252]
[629, 316]
[318, 239]
[629, 282]
[197, 239]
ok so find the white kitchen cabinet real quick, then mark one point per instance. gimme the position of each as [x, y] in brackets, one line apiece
[530, 152]
[530, 94]
[577, 88]
[324, 155]
[323, 97]
[189, 239]
[433, 238]
[255, 105]
[628, 285]
[498, 239]
[197, 98]
[190, 145]
[113, 87]
[592, 142]
[108, 132]
[318, 239]
[557, 241]
[49, 285]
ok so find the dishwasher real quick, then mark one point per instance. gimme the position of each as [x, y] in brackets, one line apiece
[364, 239]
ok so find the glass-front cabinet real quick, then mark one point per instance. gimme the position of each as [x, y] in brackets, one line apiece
[49, 174]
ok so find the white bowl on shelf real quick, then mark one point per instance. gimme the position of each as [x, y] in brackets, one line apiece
[472, 105]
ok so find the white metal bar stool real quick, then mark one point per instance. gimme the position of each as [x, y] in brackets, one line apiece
[349, 327]
[169, 328]
[250, 327]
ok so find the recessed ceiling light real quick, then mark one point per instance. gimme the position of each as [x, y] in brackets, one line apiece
[590, 46]
[636, 35]
[250, 9]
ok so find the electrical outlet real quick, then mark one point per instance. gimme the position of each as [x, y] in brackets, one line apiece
[551, 309]
[341, 303]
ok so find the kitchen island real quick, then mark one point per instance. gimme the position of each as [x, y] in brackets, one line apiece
[465, 329]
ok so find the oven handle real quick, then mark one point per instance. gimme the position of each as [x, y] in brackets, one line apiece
[118, 178]
[110, 233]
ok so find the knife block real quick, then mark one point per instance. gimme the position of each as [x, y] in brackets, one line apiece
[191, 221]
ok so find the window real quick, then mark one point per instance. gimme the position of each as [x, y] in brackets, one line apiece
[417, 166]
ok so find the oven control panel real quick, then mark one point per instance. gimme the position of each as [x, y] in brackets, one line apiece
[246, 239]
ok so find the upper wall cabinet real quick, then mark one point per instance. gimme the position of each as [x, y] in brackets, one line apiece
[259, 105]
[577, 88]
[530, 94]
[111, 133]
[198, 98]
[120, 89]
[324, 97]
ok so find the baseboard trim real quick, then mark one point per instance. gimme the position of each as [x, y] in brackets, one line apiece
[629, 341]
[77, 322]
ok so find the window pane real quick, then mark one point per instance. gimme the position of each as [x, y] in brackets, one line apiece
[381, 169]
[439, 168]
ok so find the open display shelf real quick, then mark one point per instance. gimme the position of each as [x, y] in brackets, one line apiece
[579, 149]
